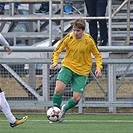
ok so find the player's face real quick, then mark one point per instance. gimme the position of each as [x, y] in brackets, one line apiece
[78, 33]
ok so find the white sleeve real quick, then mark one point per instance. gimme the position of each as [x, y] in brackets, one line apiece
[3, 41]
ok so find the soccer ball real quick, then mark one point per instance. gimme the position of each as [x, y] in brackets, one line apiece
[53, 114]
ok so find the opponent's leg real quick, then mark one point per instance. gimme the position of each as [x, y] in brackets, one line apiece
[4, 106]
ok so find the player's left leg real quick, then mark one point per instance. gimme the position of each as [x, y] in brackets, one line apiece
[72, 102]
[19, 121]
[78, 86]
[4, 106]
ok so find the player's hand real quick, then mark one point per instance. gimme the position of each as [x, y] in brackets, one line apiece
[98, 73]
[52, 66]
[8, 49]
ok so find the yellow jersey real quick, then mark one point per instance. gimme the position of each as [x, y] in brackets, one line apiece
[78, 57]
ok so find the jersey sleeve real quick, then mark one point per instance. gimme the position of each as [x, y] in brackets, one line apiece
[97, 56]
[60, 47]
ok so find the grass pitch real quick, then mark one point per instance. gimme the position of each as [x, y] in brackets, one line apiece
[73, 123]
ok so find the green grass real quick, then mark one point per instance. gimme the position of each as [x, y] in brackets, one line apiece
[73, 123]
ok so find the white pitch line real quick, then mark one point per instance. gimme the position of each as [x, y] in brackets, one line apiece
[102, 121]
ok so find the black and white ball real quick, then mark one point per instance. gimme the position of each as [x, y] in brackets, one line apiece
[53, 114]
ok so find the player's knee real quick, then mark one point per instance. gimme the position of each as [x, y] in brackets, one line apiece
[76, 99]
[58, 91]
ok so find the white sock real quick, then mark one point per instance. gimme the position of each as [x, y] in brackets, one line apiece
[4, 106]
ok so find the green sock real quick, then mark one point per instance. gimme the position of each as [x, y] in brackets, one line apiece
[70, 104]
[57, 99]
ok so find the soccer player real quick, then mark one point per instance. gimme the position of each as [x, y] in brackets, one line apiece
[4, 106]
[76, 65]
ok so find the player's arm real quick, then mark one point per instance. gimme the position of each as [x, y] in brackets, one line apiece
[5, 44]
[97, 55]
[98, 58]
[55, 56]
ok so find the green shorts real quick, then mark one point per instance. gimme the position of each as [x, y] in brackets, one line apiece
[77, 81]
